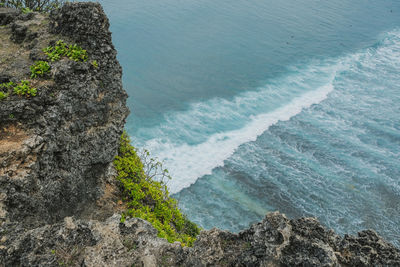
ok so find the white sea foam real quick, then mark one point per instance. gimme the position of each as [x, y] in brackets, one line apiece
[188, 162]
[194, 142]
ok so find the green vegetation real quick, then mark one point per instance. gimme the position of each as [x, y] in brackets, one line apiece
[54, 53]
[61, 49]
[3, 95]
[27, 6]
[149, 199]
[76, 53]
[95, 64]
[24, 89]
[26, 10]
[6, 86]
[40, 68]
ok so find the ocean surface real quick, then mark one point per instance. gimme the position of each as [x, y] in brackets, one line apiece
[257, 106]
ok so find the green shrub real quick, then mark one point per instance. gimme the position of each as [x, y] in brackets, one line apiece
[26, 10]
[61, 49]
[6, 86]
[3, 95]
[149, 199]
[5, 89]
[95, 64]
[24, 89]
[40, 68]
[76, 53]
[55, 53]
[33, 5]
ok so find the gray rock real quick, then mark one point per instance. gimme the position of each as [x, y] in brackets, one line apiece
[76, 118]
[8, 15]
[18, 32]
[276, 241]
[4, 78]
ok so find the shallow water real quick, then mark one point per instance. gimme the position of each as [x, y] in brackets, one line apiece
[258, 106]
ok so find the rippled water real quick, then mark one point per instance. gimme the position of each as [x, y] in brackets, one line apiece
[258, 106]
[338, 160]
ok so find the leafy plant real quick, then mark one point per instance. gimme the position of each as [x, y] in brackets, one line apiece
[26, 10]
[54, 53]
[5, 89]
[94, 64]
[61, 49]
[77, 53]
[149, 199]
[24, 88]
[40, 68]
[6, 86]
[3, 95]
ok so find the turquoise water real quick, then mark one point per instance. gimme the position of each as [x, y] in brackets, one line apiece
[257, 106]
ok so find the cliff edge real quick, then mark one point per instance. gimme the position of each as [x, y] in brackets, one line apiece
[58, 195]
[56, 147]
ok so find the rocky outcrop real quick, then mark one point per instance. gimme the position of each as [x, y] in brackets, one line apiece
[56, 148]
[57, 195]
[276, 241]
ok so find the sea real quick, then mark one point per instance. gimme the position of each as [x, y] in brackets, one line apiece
[259, 106]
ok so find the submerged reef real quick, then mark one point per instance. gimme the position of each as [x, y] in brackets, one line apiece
[61, 200]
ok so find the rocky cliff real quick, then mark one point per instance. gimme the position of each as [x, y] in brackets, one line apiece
[56, 147]
[57, 189]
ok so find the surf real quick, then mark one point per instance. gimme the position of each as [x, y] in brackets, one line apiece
[194, 142]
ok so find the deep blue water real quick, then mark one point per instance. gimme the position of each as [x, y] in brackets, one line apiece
[258, 106]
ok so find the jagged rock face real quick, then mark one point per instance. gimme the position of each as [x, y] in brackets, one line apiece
[276, 241]
[56, 149]
[7, 15]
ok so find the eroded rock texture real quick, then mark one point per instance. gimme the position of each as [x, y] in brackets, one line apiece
[276, 241]
[56, 186]
[56, 148]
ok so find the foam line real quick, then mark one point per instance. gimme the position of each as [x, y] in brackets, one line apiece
[186, 163]
[194, 142]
